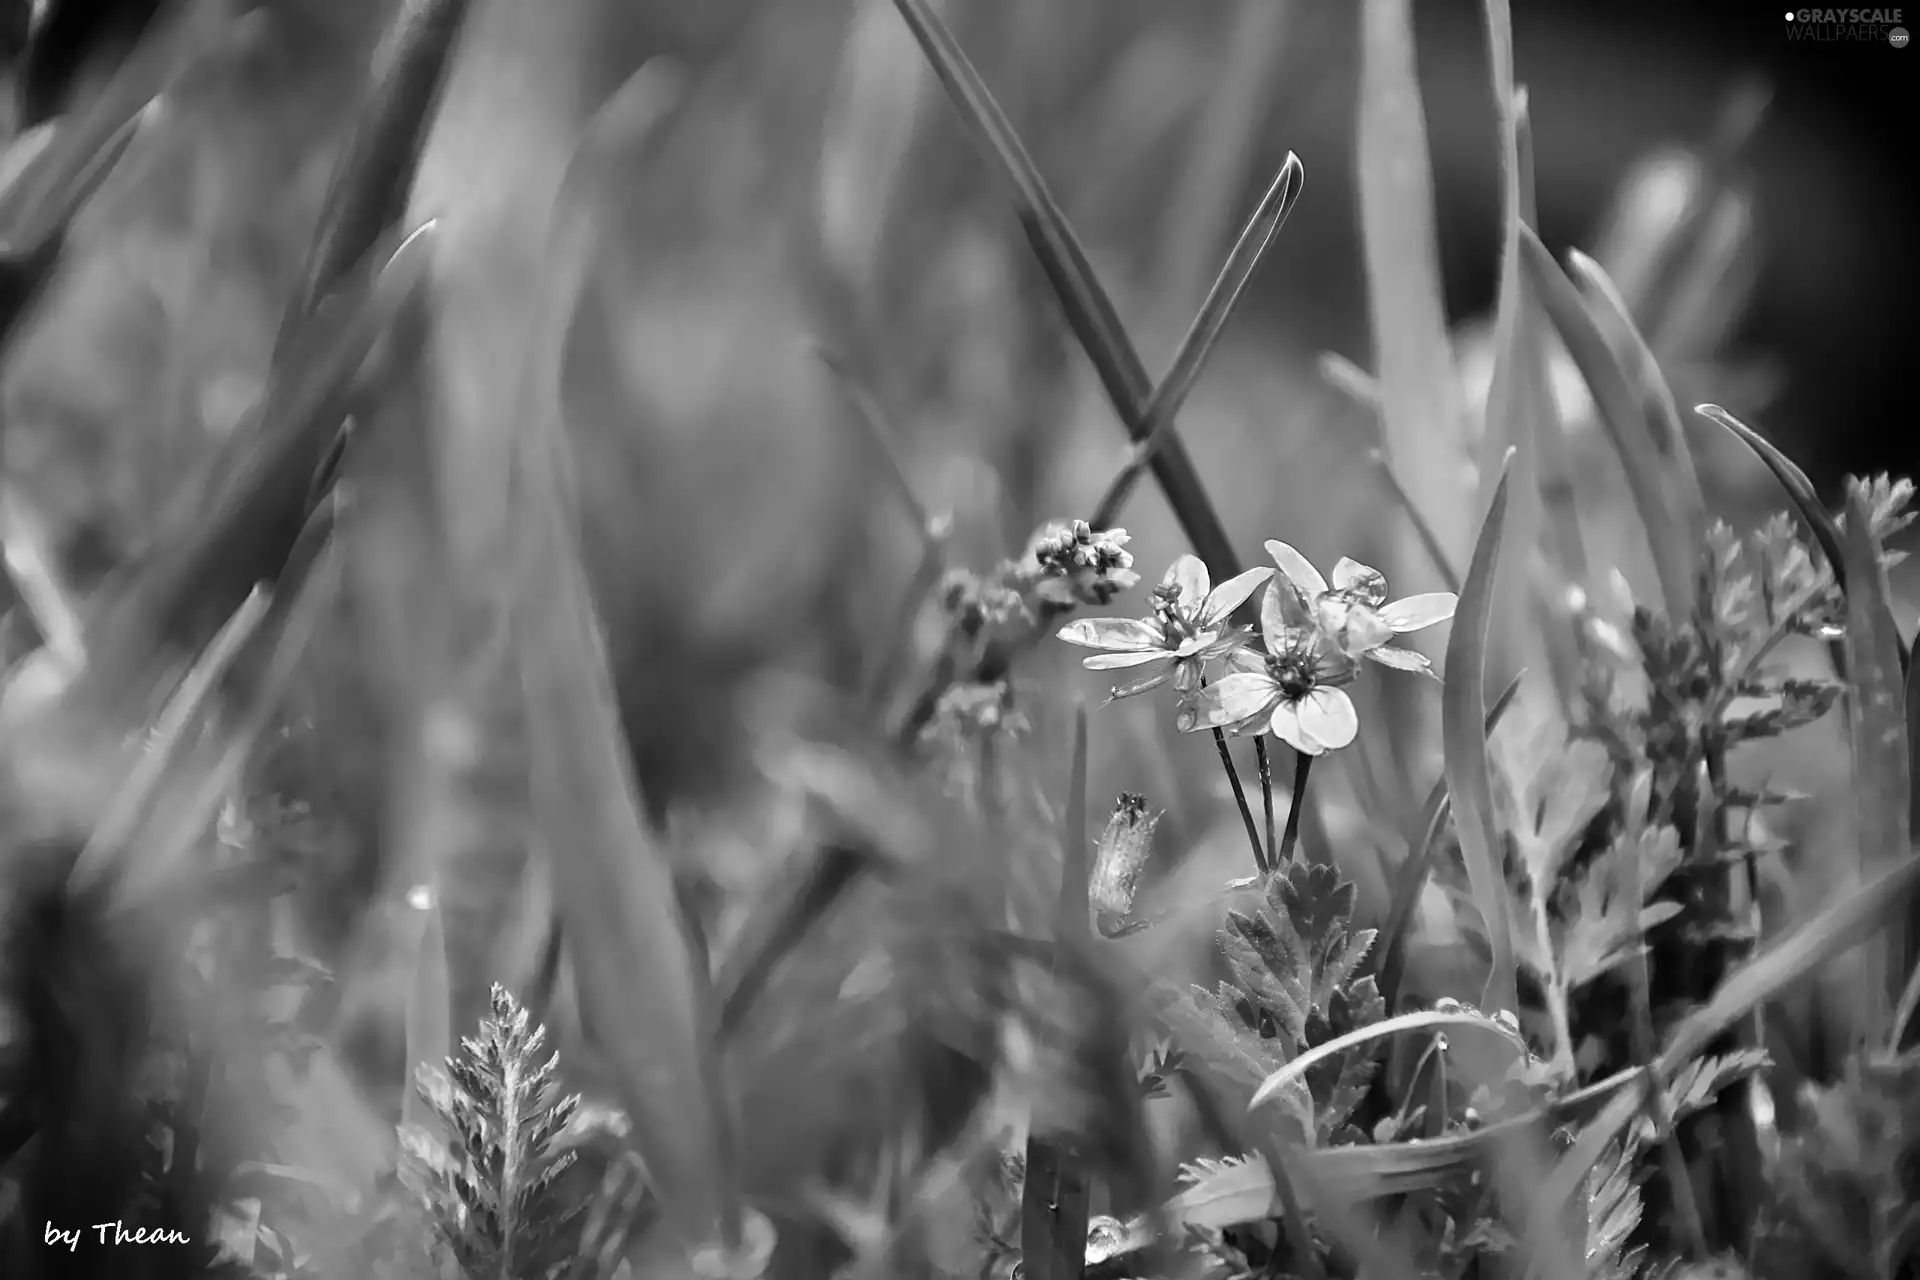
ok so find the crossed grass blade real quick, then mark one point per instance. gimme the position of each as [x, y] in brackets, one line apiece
[1089, 311]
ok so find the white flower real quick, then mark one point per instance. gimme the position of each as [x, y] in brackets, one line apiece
[1188, 629]
[1353, 614]
[1290, 691]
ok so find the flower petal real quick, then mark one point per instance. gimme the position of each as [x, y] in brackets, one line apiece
[1124, 635]
[1231, 594]
[1189, 575]
[1235, 698]
[1286, 727]
[1416, 612]
[1299, 569]
[1244, 660]
[1277, 609]
[1327, 716]
[1401, 659]
[1363, 580]
[1109, 661]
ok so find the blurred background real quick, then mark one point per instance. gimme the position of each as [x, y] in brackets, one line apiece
[809, 185]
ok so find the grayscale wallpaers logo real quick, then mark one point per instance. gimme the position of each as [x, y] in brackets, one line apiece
[1876, 26]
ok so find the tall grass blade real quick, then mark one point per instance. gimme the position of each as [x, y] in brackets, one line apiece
[374, 174]
[1878, 732]
[1190, 358]
[1410, 881]
[1673, 524]
[1419, 389]
[1088, 310]
[1058, 1193]
[1463, 733]
[631, 957]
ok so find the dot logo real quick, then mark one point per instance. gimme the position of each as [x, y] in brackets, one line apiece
[1897, 37]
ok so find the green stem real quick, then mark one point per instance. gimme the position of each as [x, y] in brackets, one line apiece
[1266, 791]
[1302, 764]
[1240, 798]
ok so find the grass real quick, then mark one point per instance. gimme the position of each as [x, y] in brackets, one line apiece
[768, 885]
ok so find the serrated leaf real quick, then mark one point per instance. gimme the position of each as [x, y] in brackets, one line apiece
[1469, 780]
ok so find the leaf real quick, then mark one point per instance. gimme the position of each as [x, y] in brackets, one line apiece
[1877, 727]
[1420, 404]
[1674, 527]
[1463, 719]
[1088, 310]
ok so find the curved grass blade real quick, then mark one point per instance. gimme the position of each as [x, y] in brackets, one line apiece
[1805, 500]
[1058, 1193]
[1296, 1070]
[1410, 881]
[1878, 734]
[1833, 932]
[1674, 527]
[23, 278]
[1089, 312]
[1211, 321]
[1670, 436]
[1463, 733]
[374, 174]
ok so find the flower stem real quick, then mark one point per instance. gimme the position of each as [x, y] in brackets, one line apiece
[1240, 798]
[1266, 791]
[1302, 764]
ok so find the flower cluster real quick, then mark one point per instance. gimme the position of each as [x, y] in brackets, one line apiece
[1311, 640]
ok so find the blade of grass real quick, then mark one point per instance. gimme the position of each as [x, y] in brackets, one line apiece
[1670, 436]
[1058, 1192]
[1419, 387]
[1296, 1069]
[1806, 501]
[1469, 781]
[868, 414]
[36, 208]
[1088, 310]
[1673, 525]
[165, 609]
[1190, 358]
[366, 197]
[1410, 881]
[1878, 733]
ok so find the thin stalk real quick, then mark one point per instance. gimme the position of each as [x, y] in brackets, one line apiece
[1302, 765]
[1266, 791]
[1240, 798]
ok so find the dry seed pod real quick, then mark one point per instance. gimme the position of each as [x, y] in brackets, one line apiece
[1118, 860]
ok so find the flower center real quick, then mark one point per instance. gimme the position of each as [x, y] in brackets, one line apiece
[1294, 672]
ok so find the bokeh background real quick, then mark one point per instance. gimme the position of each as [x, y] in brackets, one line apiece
[809, 185]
